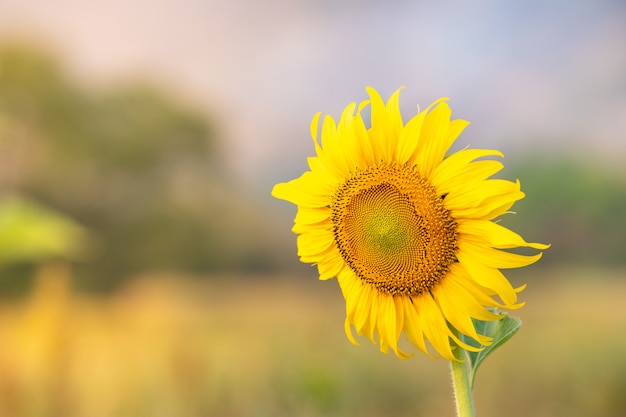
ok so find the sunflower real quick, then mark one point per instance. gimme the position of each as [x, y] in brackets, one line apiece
[407, 230]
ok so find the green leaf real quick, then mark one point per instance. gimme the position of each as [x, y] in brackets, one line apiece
[501, 331]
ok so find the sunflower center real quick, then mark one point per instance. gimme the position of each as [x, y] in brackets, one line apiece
[393, 231]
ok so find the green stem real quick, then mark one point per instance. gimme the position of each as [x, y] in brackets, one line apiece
[461, 385]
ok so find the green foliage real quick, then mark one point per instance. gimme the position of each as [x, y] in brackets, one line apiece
[574, 205]
[132, 163]
[30, 232]
[501, 331]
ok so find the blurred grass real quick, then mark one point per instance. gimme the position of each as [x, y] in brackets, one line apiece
[274, 346]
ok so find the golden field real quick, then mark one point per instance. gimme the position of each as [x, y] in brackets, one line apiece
[274, 346]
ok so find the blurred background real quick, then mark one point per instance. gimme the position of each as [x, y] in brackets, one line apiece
[146, 271]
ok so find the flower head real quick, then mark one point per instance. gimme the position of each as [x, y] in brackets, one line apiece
[407, 230]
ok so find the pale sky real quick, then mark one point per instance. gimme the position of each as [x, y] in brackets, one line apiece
[529, 75]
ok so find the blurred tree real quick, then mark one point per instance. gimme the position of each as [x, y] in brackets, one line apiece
[134, 165]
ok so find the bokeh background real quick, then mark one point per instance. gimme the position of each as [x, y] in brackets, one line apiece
[146, 271]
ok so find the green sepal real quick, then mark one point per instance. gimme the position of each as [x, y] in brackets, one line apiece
[500, 330]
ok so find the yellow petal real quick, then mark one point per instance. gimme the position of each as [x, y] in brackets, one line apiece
[330, 265]
[482, 199]
[394, 123]
[498, 210]
[374, 307]
[409, 139]
[314, 126]
[351, 294]
[434, 325]
[310, 244]
[386, 322]
[457, 127]
[434, 139]
[359, 300]
[370, 152]
[457, 169]
[494, 235]
[312, 215]
[495, 258]
[381, 128]
[487, 276]
[480, 293]
[349, 334]
[333, 148]
[364, 322]
[459, 307]
[400, 318]
[324, 174]
[309, 190]
[412, 326]
[294, 194]
[351, 145]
